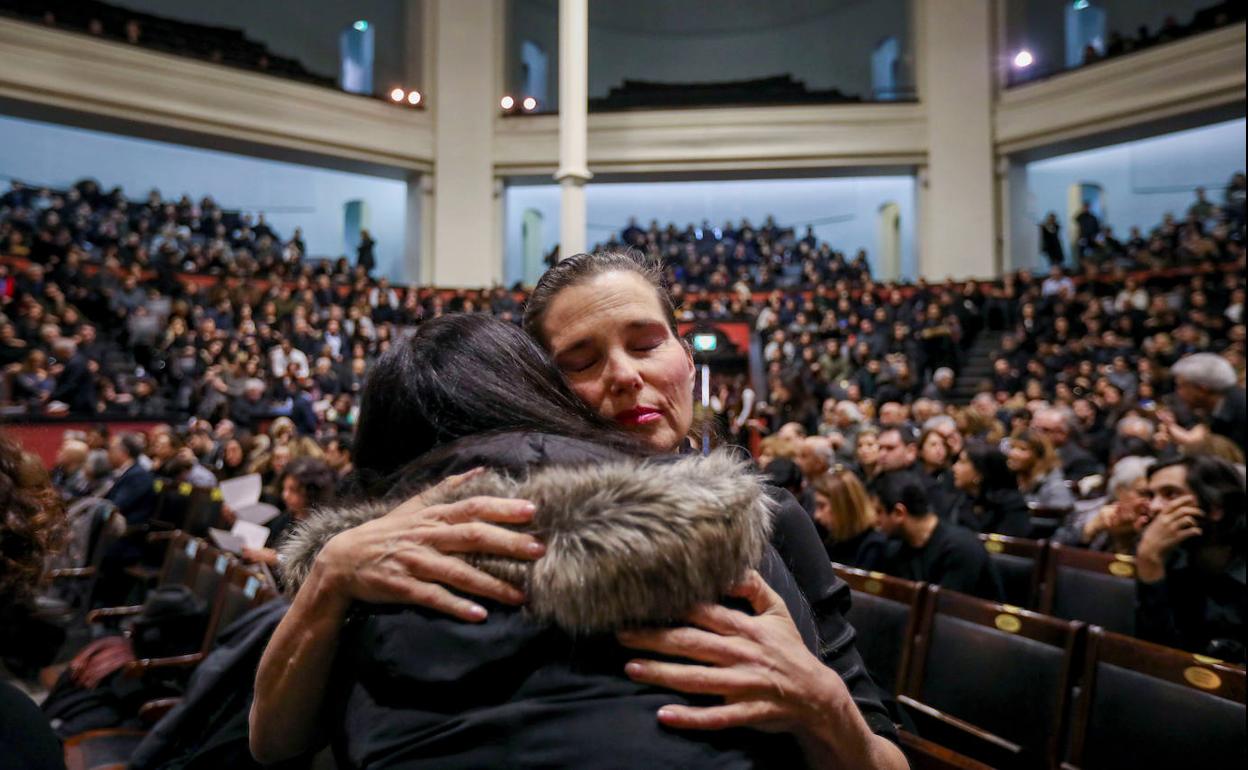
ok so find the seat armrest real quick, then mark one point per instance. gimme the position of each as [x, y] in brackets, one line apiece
[962, 736]
[103, 613]
[153, 710]
[137, 668]
[72, 572]
[164, 534]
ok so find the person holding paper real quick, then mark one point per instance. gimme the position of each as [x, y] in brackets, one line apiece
[307, 482]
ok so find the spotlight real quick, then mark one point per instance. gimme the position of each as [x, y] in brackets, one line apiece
[1023, 59]
[397, 95]
[1081, 5]
[413, 98]
[360, 25]
[529, 104]
[507, 103]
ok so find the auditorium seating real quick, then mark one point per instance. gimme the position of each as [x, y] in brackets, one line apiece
[1019, 563]
[231, 589]
[885, 613]
[1141, 705]
[1094, 587]
[997, 684]
[991, 681]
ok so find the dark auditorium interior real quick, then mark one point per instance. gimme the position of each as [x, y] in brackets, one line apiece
[580, 383]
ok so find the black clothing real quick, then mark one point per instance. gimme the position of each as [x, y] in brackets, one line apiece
[1000, 512]
[75, 387]
[1077, 462]
[26, 740]
[134, 494]
[1195, 611]
[952, 558]
[1051, 243]
[1230, 419]
[415, 685]
[865, 550]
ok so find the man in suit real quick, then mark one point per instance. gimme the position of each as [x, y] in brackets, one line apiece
[134, 494]
[75, 385]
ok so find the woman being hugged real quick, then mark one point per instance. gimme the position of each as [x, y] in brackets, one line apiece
[608, 324]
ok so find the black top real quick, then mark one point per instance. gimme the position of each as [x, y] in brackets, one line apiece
[953, 558]
[1194, 610]
[420, 689]
[1230, 419]
[1001, 512]
[26, 740]
[865, 550]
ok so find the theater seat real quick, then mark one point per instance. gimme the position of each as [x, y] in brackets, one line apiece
[1090, 586]
[1143, 705]
[1020, 563]
[925, 755]
[989, 680]
[884, 613]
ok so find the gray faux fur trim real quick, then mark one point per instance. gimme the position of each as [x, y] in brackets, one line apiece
[629, 542]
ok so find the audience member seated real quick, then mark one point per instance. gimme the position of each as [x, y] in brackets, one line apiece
[925, 548]
[306, 482]
[1032, 459]
[1207, 385]
[845, 518]
[1112, 524]
[1056, 425]
[989, 500]
[1191, 559]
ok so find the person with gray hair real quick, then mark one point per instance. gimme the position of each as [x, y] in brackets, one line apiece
[1207, 384]
[1112, 524]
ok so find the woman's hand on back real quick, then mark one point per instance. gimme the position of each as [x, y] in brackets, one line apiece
[767, 677]
[406, 556]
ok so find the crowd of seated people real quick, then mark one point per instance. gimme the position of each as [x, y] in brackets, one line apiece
[220, 45]
[1119, 42]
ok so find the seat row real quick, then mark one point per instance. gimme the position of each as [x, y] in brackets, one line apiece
[229, 587]
[1013, 688]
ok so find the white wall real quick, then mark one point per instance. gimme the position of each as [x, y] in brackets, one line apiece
[1143, 180]
[288, 194]
[792, 202]
[826, 43]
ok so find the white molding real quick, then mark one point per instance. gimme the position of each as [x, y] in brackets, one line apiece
[1201, 72]
[722, 139]
[76, 72]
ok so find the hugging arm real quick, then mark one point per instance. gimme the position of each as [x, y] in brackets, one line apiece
[399, 557]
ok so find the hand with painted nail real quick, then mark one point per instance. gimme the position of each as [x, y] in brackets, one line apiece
[408, 555]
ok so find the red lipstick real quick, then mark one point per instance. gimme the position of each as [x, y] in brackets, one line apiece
[638, 415]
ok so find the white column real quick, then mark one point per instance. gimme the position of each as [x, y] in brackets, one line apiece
[955, 72]
[573, 170]
[464, 102]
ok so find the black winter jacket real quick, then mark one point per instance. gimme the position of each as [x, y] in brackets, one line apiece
[544, 687]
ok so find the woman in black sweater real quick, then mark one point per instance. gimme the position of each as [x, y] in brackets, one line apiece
[990, 500]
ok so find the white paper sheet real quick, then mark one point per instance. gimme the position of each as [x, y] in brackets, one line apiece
[257, 513]
[252, 535]
[226, 541]
[241, 492]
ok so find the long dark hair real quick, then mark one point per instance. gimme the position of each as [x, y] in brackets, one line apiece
[990, 463]
[465, 375]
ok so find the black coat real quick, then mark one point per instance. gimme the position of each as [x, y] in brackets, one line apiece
[417, 689]
[1001, 512]
[76, 386]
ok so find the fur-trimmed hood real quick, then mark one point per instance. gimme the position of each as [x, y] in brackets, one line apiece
[627, 541]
